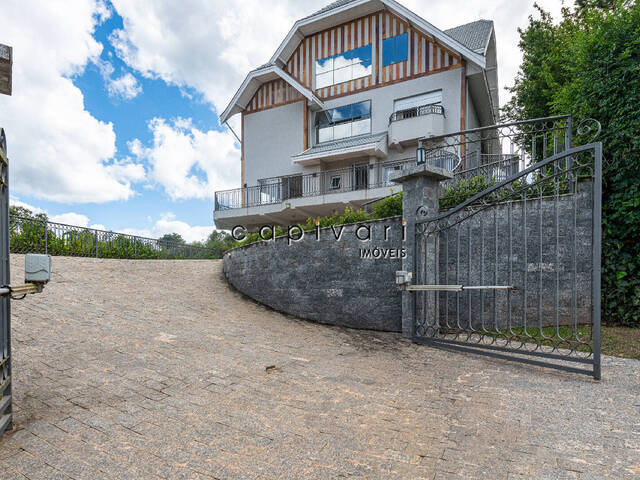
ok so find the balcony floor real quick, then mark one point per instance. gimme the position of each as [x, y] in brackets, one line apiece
[297, 210]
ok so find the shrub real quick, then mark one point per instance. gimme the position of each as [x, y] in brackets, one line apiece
[390, 206]
[463, 190]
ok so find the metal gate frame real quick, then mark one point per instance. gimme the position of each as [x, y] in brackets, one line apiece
[562, 173]
[6, 416]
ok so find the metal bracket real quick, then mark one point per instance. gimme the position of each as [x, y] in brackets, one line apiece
[456, 288]
[22, 289]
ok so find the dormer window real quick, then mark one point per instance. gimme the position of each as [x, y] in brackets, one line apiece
[343, 122]
[395, 49]
[344, 67]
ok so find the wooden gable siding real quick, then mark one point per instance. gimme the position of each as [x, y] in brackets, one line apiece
[273, 94]
[425, 56]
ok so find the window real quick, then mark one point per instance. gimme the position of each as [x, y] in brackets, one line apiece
[423, 104]
[344, 67]
[343, 122]
[421, 100]
[395, 49]
[336, 182]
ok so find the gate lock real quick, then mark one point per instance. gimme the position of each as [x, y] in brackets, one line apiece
[403, 281]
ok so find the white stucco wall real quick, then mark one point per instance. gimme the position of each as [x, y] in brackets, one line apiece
[270, 138]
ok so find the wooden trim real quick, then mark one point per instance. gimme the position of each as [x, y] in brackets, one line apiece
[288, 102]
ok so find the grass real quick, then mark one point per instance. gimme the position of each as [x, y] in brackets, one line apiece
[621, 341]
[615, 341]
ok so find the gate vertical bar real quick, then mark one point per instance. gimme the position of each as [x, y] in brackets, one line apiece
[5, 305]
[597, 255]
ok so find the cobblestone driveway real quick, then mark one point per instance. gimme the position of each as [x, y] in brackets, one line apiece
[155, 369]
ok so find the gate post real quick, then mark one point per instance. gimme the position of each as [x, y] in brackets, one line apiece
[420, 194]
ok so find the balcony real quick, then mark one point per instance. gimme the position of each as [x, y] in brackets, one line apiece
[294, 198]
[281, 189]
[407, 126]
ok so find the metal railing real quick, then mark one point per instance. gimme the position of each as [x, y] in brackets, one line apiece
[279, 189]
[416, 112]
[32, 235]
[487, 155]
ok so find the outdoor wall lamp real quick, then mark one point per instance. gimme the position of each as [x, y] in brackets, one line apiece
[421, 154]
[6, 61]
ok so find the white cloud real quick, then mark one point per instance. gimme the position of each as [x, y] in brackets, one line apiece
[209, 45]
[125, 87]
[16, 202]
[71, 218]
[169, 224]
[187, 162]
[59, 151]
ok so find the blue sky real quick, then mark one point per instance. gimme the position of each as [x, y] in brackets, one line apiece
[130, 118]
[113, 121]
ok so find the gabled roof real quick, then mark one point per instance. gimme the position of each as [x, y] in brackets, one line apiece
[331, 6]
[341, 11]
[473, 35]
[252, 83]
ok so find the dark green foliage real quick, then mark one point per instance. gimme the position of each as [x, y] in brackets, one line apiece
[219, 242]
[171, 239]
[588, 65]
[29, 233]
[463, 190]
[388, 207]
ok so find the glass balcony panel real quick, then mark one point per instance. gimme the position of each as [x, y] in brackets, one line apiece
[342, 130]
[361, 127]
[325, 134]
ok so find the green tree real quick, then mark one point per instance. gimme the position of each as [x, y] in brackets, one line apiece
[588, 65]
[219, 242]
[171, 239]
[23, 212]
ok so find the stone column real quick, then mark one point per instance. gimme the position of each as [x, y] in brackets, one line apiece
[420, 187]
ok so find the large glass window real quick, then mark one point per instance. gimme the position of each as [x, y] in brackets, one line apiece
[395, 49]
[344, 67]
[343, 122]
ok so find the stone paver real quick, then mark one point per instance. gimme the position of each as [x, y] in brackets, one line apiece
[156, 370]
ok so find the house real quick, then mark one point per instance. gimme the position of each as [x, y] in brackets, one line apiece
[343, 102]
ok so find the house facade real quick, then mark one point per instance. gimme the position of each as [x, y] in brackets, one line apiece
[343, 103]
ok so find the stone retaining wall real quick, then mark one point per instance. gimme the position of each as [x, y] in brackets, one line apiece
[340, 282]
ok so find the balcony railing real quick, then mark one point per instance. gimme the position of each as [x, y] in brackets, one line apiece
[416, 112]
[279, 189]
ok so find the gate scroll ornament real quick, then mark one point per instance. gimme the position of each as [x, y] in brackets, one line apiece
[517, 266]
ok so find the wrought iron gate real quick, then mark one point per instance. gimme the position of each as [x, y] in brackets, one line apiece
[514, 271]
[5, 309]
